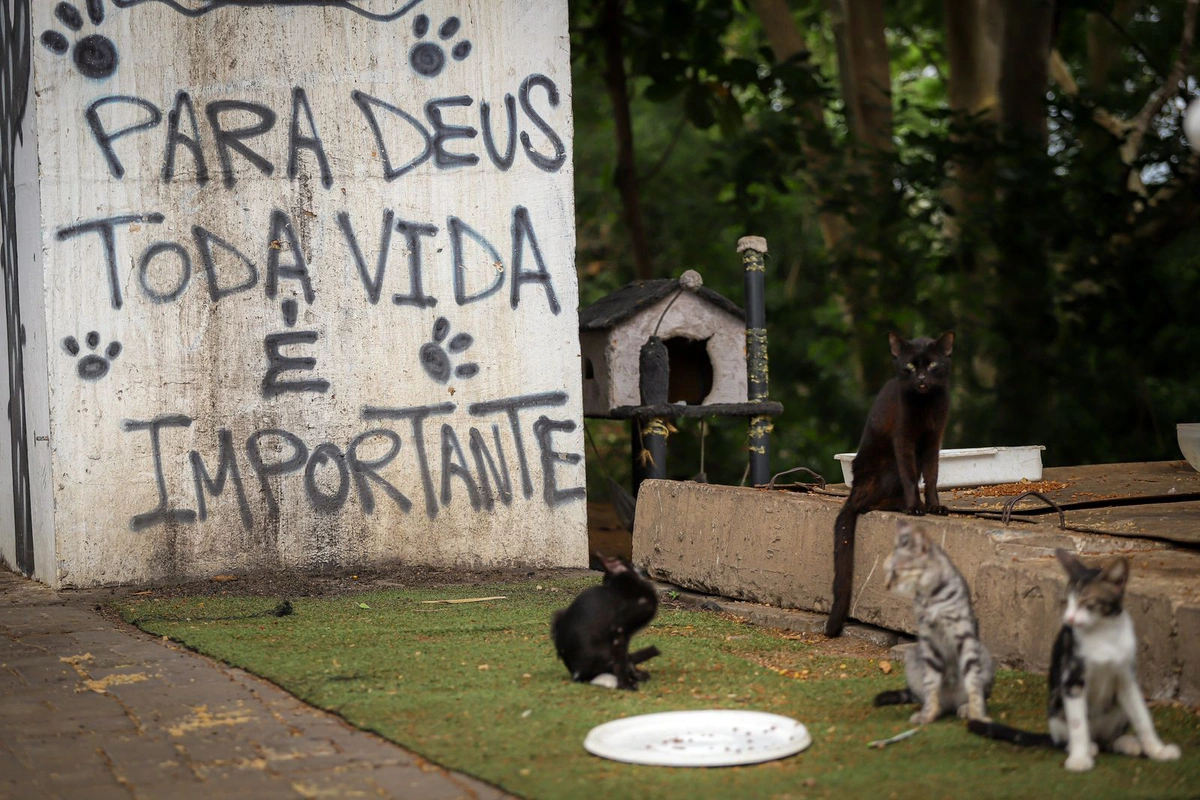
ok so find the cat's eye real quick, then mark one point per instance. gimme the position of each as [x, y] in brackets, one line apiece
[909, 366]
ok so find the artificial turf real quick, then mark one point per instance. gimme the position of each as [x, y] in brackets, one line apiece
[477, 687]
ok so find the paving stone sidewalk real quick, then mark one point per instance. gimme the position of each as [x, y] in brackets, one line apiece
[93, 709]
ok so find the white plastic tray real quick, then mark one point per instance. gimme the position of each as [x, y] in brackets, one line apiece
[706, 738]
[976, 466]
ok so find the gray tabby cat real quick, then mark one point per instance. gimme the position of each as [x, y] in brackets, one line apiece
[1094, 694]
[949, 669]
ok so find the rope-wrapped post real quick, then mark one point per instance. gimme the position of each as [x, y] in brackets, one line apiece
[752, 249]
[650, 435]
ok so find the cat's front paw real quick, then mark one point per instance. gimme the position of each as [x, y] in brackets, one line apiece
[915, 511]
[1166, 752]
[924, 717]
[941, 511]
[1079, 762]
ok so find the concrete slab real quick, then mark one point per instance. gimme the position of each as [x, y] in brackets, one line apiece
[92, 708]
[776, 547]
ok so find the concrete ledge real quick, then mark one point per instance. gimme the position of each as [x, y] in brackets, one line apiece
[776, 547]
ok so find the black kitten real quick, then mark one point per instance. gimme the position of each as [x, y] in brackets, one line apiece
[592, 634]
[899, 446]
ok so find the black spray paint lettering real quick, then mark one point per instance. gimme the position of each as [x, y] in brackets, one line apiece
[205, 239]
[367, 472]
[278, 363]
[451, 449]
[268, 470]
[485, 124]
[329, 472]
[512, 406]
[458, 229]
[105, 138]
[412, 232]
[416, 415]
[548, 163]
[183, 102]
[443, 133]
[500, 476]
[283, 236]
[237, 127]
[231, 140]
[372, 283]
[163, 513]
[227, 469]
[542, 430]
[522, 230]
[165, 268]
[106, 228]
[432, 138]
[312, 143]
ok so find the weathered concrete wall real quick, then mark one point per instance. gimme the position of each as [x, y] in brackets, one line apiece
[777, 547]
[309, 286]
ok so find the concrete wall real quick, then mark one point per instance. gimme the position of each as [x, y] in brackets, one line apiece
[309, 293]
[776, 547]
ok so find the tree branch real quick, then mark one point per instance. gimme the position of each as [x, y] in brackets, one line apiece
[1141, 123]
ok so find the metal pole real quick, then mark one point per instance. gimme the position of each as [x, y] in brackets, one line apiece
[752, 249]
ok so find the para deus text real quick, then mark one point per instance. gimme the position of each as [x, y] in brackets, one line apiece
[401, 141]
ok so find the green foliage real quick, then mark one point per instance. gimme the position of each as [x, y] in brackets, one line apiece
[1072, 297]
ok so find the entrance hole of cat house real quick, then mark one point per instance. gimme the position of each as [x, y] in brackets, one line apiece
[691, 377]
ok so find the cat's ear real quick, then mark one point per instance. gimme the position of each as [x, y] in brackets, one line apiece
[904, 531]
[1071, 563]
[896, 342]
[612, 565]
[945, 343]
[1116, 572]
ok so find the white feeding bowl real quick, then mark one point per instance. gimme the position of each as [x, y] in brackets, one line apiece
[1188, 434]
[703, 738]
[976, 466]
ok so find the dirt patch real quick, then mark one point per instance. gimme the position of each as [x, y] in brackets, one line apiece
[1011, 489]
[290, 584]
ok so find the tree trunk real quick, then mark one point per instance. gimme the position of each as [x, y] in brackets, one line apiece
[626, 175]
[1024, 67]
[974, 33]
[865, 60]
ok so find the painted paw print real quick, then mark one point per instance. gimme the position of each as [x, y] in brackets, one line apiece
[433, 355]
[95, 56]
[92, 367]
[428, 58]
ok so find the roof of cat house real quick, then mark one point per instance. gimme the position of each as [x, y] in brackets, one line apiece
[635, 297]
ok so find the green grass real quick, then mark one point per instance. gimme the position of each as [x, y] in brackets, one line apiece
[478, 688]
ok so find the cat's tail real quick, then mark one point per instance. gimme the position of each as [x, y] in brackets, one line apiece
[645, 654]
[1003, 733]
[843, 569]
[896, 697]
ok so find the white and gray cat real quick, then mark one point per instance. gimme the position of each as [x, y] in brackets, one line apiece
[1094, 694]
[950, 669]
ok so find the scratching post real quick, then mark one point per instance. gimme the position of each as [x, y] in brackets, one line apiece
[752, 249]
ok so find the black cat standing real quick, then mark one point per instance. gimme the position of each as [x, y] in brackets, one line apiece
[899, 446]
[592, 634]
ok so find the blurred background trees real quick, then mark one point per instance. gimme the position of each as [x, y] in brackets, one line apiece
[1012, 169]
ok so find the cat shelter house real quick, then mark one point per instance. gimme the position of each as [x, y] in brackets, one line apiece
[704, 334]
[660, 350]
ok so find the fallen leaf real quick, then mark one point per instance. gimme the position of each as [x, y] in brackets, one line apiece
[885, 667]
[224, 578]
[363, 605]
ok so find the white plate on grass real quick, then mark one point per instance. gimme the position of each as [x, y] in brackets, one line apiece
[708, 738]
